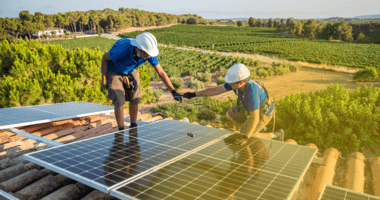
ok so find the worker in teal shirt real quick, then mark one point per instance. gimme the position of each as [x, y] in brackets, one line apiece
[255, 109]
[120, 75]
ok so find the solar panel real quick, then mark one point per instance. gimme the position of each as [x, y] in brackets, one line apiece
[105, 161]
[332, 192]
[223, 171]
[36, 114]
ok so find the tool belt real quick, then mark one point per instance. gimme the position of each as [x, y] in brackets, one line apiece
[130, 86]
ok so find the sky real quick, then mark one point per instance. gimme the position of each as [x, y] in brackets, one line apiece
[210, 9]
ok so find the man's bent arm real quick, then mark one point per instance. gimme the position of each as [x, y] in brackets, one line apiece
[255, 117]
[105, 57]
[211, 91]
[164, 77]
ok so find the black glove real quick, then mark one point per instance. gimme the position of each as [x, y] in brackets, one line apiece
[189, 95]
[177, 96]
[241, 141]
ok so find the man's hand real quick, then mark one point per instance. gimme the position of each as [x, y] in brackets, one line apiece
[177, 96]
[189, 95]
[241, 141]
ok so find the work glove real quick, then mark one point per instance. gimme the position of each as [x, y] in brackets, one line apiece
[189, 95]
[241, 141]
[177, 96]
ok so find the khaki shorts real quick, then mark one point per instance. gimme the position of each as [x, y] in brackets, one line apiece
[260, 126]
[116, 90]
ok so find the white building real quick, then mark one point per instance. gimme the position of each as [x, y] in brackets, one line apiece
[58, 31]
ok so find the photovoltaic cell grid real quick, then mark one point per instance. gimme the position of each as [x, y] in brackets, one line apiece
[222, 171]
[331, 192]
[104, 161]
[29, 115]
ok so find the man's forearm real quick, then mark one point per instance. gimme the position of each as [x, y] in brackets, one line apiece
[251, 127]
[211, 91]
[104, 68]
[166, 80]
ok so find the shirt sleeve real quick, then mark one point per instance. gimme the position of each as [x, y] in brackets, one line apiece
[227, 86]
[118, 50]
[153, 61]
[252, 99]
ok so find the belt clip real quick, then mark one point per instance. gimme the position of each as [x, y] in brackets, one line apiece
[126, 80]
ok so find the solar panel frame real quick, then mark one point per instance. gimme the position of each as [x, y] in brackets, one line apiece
[327, 188]
[295, 181]
[6, 196]
[36, 114]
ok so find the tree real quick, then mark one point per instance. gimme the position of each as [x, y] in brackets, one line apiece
[310, 28]
[265, 23]
[240, 23]
[25, 16]
[38, 17]
[110, 22]
[258, 23]
[288, 22]
[72, 21]
[29, 27]
[191, 21]
[275, 24]
[49, 21]
[94, 20]
[252, 22]
[270, 23]
[282, 23]
[374, 36]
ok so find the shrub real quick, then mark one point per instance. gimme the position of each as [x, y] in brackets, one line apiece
[206, 114]
[294, 68]
[196, 85]
[154, 94]
[269, 69]
[262, 72]
[220, 80]
[204, 77]
[369, 73]
[257, 63]
[222, 73]
[177, 82]
[252, 73]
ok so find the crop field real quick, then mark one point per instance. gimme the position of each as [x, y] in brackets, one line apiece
[194, 36]
[268, 40]
[320, 52]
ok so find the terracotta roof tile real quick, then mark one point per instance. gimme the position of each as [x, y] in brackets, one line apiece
[29, 181]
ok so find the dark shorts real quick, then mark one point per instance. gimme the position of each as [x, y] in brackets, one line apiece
[241, 117]
[116, 90]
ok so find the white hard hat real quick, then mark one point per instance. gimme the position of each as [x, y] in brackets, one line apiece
[236, 73]
[146, 42]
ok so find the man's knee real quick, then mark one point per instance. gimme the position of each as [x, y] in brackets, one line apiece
[229, 117]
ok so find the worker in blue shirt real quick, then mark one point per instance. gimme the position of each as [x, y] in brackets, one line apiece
[254, 107]
[120, 75]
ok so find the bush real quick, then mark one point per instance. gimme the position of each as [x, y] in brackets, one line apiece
[154, 94]
[262, 72]
[294, 68]
[369, 73]
[206, 114]
[177, 82]
[204, 77]
[196, 85]
[281, 70]
[252, 73]
[222, 73]
[220, 80]
[257, 63]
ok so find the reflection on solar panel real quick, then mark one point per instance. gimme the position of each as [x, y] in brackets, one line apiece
[29, 115]
[106, 160]
[224, 171]
[332, 192]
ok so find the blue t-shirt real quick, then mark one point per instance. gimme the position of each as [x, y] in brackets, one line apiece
[255, 95]
[122, 60]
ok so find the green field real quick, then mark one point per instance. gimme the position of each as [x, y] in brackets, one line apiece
[199, 35]
[268, 40]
